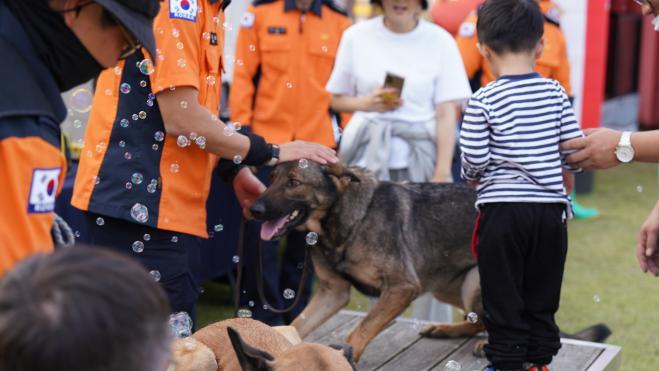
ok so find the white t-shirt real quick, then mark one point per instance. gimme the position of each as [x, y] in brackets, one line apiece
[427, 57]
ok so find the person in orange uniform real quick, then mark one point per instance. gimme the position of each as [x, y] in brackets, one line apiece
[553, 63]
[48, 47]
[152, 142]
[284, 57]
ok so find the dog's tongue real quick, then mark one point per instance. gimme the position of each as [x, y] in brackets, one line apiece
[270, 228]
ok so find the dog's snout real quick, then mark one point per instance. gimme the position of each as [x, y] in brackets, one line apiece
[258, 209]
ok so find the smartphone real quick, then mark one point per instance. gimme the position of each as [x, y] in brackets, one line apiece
[393, 81]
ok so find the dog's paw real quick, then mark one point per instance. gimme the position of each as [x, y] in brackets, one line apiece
[479, 348]
[436, 330]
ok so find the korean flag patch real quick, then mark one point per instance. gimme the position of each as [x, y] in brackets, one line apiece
[43, 190]
[183, 9]
[247, 21]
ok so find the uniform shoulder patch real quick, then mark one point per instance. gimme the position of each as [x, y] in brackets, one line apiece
[43, 189]
[467, 29]
[183, 9]
[247, 20]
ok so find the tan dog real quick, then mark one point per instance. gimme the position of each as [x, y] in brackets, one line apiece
[246, 344]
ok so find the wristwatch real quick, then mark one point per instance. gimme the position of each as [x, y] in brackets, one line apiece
[274, 158]
[624, 149]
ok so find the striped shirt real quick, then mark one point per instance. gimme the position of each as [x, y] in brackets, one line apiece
[510, 140]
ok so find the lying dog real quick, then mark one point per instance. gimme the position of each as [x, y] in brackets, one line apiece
[389, 240]
[245, 344]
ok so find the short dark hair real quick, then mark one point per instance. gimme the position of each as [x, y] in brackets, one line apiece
[81, 309]
[510, 25]
[424, 3]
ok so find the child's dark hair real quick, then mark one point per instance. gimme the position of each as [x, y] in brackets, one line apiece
[510, 25]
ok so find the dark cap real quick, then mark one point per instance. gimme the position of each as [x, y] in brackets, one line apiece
[137, 16]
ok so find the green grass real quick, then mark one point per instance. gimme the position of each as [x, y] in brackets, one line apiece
[601, 264]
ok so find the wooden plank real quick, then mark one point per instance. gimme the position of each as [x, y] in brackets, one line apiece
[337, 335]
[465, 357]
[388, 344]
[338, 320]
[574, 357]
[608, 360]
[423, 354]
[399, 347]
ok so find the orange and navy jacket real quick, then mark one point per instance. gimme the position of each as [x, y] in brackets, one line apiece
[283, 60]
[553, 63]
[32, 166]
[129, 167]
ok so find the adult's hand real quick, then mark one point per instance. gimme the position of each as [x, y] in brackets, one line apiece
[646, 250]
[595, 151]
[382, 100]
[312, 151]
[248, 188]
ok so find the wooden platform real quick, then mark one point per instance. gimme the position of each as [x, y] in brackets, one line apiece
[400, 348]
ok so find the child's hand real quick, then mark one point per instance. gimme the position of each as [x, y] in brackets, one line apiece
[474, 183]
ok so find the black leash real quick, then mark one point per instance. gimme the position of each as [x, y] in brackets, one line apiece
[259, 276]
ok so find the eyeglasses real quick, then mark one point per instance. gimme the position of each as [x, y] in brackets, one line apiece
[132, 43]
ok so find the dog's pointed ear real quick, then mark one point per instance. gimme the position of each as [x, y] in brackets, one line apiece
[341, 176]
[250, 358]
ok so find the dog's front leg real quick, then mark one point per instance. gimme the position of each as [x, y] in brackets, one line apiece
[392, 302]
[332, 295]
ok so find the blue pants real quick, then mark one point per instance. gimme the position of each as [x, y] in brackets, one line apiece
[172, 258]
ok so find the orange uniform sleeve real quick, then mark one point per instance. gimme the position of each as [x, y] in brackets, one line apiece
[179, 50]
[467, 39]
[248, 59]
[563, 70]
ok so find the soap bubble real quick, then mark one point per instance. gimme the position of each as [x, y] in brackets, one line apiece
[138, 246]
[125, 88]
[146, 67]
[289, 294]
[140, 213]
[100, 222]
[156, 275]
[159, 136]
[81, 100]
[452, 366]
[244, 313]
[181, 324]
[311, 238]
[137, 178]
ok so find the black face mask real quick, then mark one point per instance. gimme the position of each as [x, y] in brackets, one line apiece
[57, 46]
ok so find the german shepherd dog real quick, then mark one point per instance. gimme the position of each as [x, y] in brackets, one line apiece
[388, 240]
[394, 241]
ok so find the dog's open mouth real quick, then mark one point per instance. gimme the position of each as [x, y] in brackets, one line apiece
[272, 229]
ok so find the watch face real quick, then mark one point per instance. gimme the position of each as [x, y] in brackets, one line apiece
[625, 154]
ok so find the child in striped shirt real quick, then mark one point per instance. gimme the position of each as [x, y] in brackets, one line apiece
[510, 140]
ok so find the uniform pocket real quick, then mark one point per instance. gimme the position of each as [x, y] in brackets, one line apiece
[276, 53]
